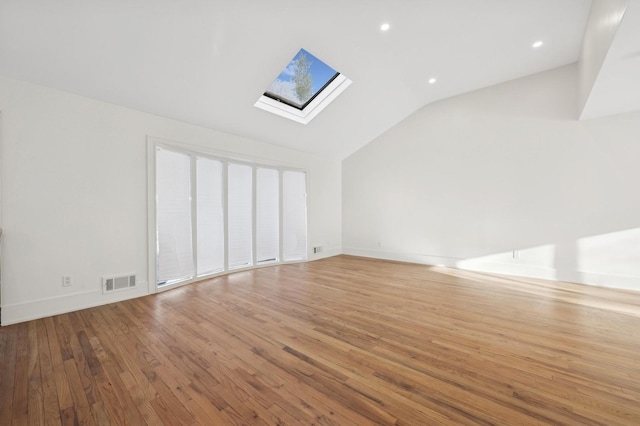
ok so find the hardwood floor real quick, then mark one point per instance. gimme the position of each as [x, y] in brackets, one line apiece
[344, 341]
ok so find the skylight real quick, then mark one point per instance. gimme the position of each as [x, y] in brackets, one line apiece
[303, 88]
[302, 79]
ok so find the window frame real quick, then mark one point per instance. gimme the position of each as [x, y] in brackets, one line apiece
[319, 102]
[304, 105]
[225, 158]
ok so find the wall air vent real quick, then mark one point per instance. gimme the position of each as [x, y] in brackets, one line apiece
[116, 283]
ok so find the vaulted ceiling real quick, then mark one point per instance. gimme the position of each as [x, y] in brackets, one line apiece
[206, 62]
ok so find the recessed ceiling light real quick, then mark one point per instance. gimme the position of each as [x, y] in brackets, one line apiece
[432, 80]
[537, 44]
[385, 26]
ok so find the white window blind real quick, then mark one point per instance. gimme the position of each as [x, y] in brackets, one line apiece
[210, 216]
[294, 215]
[173, 200]
[240, 211]
[267, 215]
[216, 215]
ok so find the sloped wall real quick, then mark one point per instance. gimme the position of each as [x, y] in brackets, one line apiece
[467, 181]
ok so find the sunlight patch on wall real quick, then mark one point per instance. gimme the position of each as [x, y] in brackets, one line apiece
[536, 262]
[615, 253]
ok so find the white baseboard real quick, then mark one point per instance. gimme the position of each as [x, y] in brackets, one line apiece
[621, 282]
[517, 269]
[41, 308]
[401, 257]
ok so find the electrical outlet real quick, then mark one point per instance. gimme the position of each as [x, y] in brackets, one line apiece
[317, 249]
[516, 254]
[66, 281]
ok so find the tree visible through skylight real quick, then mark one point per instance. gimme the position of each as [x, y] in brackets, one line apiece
[302, 79]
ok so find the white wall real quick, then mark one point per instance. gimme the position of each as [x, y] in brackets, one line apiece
[466, 181]
[74, 195]
[612, 36]
[604, 19]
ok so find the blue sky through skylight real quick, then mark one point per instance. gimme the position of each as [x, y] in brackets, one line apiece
[287, 87]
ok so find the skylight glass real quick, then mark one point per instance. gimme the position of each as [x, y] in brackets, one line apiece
[301, 80]
[305, 87]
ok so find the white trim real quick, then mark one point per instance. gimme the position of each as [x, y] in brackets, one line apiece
[401, 257]
[225, 213]
[307, 215]
[151, 216]
[530, 271]
[254, 215]
[281, 215]
[520, 270]
[304, 116]
[194, 212]
[623, 282]
[220, 154]
[215, 275]
[1, 215]
[42, 308]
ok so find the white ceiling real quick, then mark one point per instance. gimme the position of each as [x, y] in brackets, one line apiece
[207, 61]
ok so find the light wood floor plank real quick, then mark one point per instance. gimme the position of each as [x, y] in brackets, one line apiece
[338, 341]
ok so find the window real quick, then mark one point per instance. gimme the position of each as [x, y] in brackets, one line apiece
[294, 216]
[215, 215]
[267, 215]
[303, 88]
[240, 196]
[173, 200]
[301, 80]
[210, 215]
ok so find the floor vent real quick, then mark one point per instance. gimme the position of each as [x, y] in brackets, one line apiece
[110, 284]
